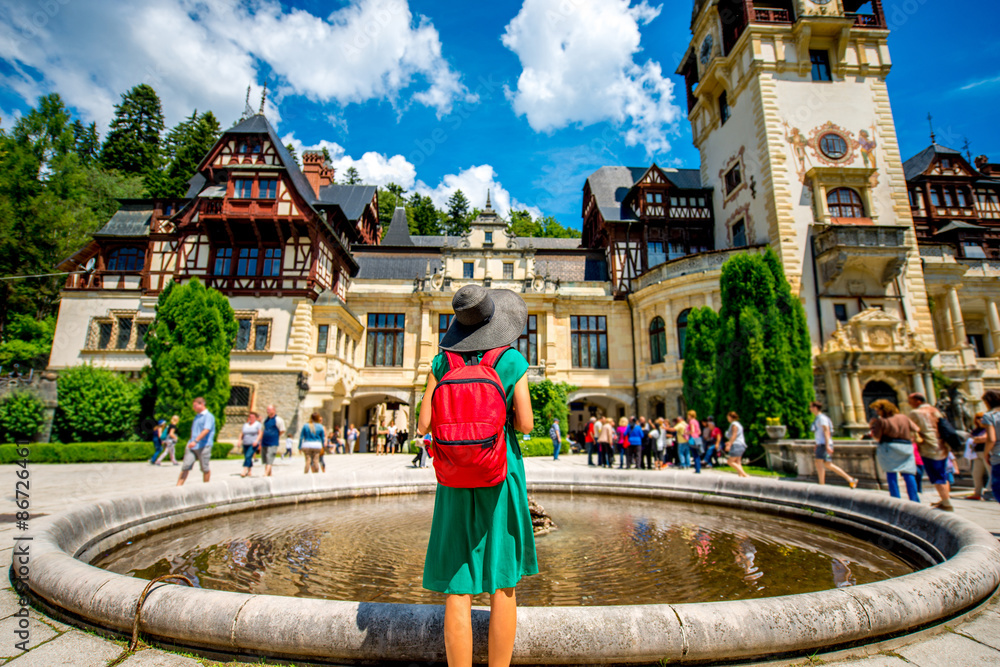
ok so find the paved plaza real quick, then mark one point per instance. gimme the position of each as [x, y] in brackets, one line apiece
[964, 642]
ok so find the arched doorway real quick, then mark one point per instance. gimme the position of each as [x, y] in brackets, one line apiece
[877, 390]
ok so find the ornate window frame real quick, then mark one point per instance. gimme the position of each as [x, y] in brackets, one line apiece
[254, 322]
[112, 318]
[826, 179]
[734, 161]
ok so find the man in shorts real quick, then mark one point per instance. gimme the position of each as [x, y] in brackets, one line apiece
[823, 428]
[932, 450]
[270, 438]
[199, 447]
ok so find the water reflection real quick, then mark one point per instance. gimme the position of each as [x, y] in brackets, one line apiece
[609, 550]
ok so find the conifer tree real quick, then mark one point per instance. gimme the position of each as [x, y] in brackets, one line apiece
[133, 142]
[699, 361]
[458, 212]
[183, 149]
[188, 346]
[351, 176]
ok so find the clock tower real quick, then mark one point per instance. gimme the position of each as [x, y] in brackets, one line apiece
[789, 109]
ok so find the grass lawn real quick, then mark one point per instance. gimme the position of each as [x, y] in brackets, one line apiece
[755, 471]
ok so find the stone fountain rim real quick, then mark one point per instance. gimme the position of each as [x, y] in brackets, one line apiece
[262, 625]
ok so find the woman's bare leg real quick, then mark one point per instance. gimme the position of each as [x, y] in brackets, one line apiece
[458, 630]
[839, 471]
[503, 626]
[821, 471]
[737, 463]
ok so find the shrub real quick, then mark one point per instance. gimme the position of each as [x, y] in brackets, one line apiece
[95, 405]
[549, 401]
[21, 416]
[91, 452]
[699, 361]
[540, 446]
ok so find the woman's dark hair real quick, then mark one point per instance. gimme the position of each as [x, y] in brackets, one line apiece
[735, 417]
[817, 405]
[992, 399]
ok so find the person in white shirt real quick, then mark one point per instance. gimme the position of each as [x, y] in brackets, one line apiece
[823, 428]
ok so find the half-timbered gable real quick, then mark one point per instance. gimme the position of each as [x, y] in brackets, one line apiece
[954, 203]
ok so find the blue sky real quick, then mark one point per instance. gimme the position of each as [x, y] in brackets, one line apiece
[526, 98]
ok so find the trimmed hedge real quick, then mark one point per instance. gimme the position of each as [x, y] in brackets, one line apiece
[95, 452]
[541, 447]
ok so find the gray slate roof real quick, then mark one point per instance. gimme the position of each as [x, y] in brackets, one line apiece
[576, 268]
[352, 199]
[610, 185]
[376, 266]
[435, 241]
[957, 224]
[548, 244]
[918, 164]
[398, 233]
[132, 219]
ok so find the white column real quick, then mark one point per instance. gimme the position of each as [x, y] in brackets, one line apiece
[846, 398]
[859, 403]
[993, 322]
[929, 386]
[955, 308]
[918, 384]
[671, 331]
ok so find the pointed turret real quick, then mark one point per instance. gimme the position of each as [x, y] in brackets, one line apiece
[398, 233]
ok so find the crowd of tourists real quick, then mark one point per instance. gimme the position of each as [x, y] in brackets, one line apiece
[682, 443]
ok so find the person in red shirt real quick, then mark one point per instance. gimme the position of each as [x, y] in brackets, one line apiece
[712, 435]
[588, 438]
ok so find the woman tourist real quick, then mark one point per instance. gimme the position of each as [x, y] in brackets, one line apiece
[695, 443]
[895, 434]
[991, 422]
[481, 539]
[980, 469]
[712, 435]
[352, 438]
[250, 439]
[158, 432]
[633, 440]
[311, 440]
[660, 443]
[607, 442]
[683, 443]
[621, 441]
[736, 444]
[170, 441]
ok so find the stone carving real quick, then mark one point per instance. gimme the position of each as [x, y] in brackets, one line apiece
[874, 330]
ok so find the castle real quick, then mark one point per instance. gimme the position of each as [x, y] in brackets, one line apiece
[897, 263]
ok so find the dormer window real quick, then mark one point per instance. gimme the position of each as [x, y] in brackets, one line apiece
[126, 259]
[489, 237]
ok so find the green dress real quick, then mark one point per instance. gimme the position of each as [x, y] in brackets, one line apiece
[481, 539]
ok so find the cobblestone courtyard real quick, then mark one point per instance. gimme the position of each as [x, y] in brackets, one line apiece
[964, 642]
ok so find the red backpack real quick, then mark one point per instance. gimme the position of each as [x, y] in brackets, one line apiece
[469, 410]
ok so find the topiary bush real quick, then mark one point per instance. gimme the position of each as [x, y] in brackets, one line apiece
[549, 401]
[92, 452]
[21, 416]
[96, 404]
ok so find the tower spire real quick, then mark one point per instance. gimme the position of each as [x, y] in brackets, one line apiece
[247, 109]
[263, 98]
[489, 207]
[968, 149]
[930, 121]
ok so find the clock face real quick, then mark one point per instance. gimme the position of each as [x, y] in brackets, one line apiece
[821, 2]
[706, 49]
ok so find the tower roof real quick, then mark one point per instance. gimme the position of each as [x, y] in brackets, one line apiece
[398, 233]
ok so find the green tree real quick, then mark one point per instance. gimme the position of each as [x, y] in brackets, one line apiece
[549, 401]
[523, 225]
[458, 213]
[183, 149]
[27, 342]
[188, 345]
[21, 416]
[291, 151]
[95, 405]
[88, 142]
[426, 220]
[351, 176]
[133, 142]
[699, 360]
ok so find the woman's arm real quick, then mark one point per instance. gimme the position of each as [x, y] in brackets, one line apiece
[424, 422]
[991, 440]
[524, 418]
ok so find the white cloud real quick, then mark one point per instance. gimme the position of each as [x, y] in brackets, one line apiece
[374, 168]
[578, 67]
[203, 53]
[474, 183]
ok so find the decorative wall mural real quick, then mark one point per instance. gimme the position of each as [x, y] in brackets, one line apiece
[832, 146]
[798, 142]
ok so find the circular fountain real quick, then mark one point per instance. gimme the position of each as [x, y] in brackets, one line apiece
[921, 568]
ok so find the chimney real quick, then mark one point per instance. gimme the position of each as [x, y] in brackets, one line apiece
[981, 162]
[312, 168]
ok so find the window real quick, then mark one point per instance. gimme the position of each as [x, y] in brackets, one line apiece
[833, 146]
[935, 197]
[141, 329]
[104, 335]
[323, 336]
[724, 107]
[260, 337]
[243, 334]
[508, 270]
[527, 342]
[657, 340]
[675, 251]
[444, 321]
[945, 163]
[845, 203]
[242, 188]
[655, 254]
[267, 188]
[239, 396]
[272, 261]
[682, 324]
[840, 311]
[820, 65]
[124, 333]
[247, 264]
[960, 198]
[949, 200]
[467, 270]
[489, 237]
[589, 341]
[973, 250]
[733, 179]
[978, 344]
[126, 259]
[740, 234]
[223, 261]
[385, 340]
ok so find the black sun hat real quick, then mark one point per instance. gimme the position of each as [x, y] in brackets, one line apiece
[484, 319]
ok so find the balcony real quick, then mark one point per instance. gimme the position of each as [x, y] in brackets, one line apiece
[701, 263]
[772, 16]
[849, 251]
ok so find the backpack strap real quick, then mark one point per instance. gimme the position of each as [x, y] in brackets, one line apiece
[455, 361]
[491, 357]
